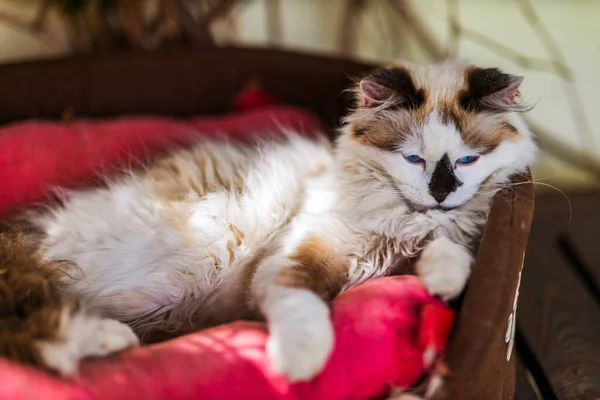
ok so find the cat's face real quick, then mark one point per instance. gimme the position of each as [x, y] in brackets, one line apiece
[442, 133]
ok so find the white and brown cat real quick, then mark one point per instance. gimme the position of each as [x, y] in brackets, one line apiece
[272, 229]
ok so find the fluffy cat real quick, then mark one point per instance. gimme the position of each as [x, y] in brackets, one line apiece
[271, 229]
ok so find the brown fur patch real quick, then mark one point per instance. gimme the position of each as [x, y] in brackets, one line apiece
[486, 133]
[237, 234]
[384, 130]
[317, 268]
[239, 304]
[381, 138]
[30, 303]
[189, 173]
[482, 131]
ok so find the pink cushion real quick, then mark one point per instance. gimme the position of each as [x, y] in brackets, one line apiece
[38, 155]
[384, 330]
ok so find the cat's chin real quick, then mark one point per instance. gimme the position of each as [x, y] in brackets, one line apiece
[443, 208]
[434, 207]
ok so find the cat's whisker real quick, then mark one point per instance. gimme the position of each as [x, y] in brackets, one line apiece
[537, 182]
[562, 193]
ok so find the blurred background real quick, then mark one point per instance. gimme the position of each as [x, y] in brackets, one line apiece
[550, 42]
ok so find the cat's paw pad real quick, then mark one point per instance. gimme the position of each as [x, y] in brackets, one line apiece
[301, 336]
[444, 267]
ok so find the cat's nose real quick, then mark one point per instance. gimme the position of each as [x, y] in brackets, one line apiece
[440, 196]
[443, 181]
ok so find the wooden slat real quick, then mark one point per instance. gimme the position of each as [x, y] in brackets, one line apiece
[559, 317]
[584, 232]
[523, 384]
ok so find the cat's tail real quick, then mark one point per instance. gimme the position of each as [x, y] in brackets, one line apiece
[40, 327]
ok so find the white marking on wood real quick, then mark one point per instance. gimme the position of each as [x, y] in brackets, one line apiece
[512, 318]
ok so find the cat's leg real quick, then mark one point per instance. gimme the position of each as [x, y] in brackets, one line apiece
[444, 267]
[40, 327]
[292, 291]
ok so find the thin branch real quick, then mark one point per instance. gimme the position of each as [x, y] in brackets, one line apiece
[575, 101]
[564, 151]
[43, 34]
[39, 21]
[457, 31]
[454, 28]
[131, 19]
[542, 32]
[274, 23]
[199, 32]
[350, 26]
[507, 52]
[413, 20]
[170, 18]
[220, 9]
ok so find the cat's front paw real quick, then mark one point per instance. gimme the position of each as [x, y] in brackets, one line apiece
[444, 267]
[301, 336]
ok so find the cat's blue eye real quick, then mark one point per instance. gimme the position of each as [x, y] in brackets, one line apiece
[413, 159]
[467, 160]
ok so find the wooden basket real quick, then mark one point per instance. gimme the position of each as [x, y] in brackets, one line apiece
[205, 82]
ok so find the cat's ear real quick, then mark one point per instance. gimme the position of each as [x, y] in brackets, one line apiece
[373, 94]
[489, 89]
[507, 92]
[388, 87]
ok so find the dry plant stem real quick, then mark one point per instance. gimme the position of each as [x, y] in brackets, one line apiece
[412, 19]
[42, 34]
[130, 16]
[348, 39]
[498, 47]
[532, 63]
[453, 11]
[168, 10]
[274, 23]
[199, 31]
[40, 19]
[565, 152]
[575, 101]
[221, 8]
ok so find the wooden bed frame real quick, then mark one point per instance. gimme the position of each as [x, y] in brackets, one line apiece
[204, 82]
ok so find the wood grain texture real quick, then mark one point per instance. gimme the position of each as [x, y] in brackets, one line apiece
[559, 317]
[477, 353]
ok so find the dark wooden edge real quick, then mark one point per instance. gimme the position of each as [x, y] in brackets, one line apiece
[478, 350]
[177, 83]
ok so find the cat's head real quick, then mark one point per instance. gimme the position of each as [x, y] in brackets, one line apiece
[440, 133]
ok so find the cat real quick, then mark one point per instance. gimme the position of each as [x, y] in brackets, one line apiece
[271, 229]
